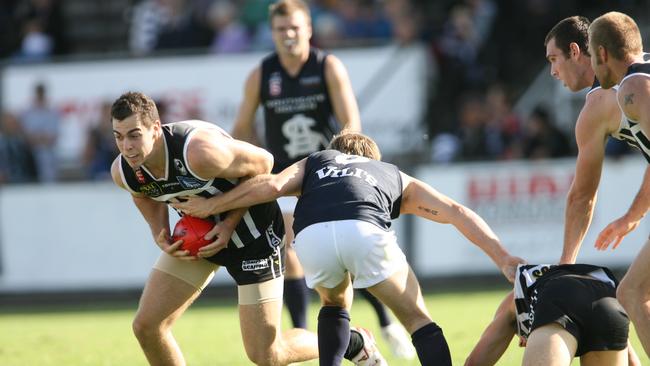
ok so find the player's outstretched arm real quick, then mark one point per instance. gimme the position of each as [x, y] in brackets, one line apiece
[598, 117]
[496, 337]
[616, 230]
[244, 128]
[420, 199]
[340, 90]
[262, 188]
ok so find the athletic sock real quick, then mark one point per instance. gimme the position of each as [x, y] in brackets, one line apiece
[333, 335]
[380, 309]
[431, 346]
[296, 298]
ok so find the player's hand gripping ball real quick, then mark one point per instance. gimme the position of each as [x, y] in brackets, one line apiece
[192, 231]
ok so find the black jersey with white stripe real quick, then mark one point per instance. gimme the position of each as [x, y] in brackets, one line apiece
[531, 278]
[630, 131]
[297, 110]
[338, 186]
[179, 180]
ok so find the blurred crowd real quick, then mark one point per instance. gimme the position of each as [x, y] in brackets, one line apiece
[486, 52]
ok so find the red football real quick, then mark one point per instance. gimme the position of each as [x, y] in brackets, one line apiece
[192, 230]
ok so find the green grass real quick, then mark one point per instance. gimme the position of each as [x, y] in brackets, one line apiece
[209, 332]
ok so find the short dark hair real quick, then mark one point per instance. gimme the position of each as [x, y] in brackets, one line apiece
[137, 103]
[568, 30]
[287, 7]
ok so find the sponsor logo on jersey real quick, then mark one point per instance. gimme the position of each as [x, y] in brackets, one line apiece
[151, 189]
[180, 167]
[336, 172]
[189, 182]
[275, 84]
[140, 176]
[310, 80]
[302, 140]
[255, 264]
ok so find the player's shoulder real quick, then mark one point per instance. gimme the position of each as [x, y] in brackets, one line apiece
[600, 106]
[116, 171]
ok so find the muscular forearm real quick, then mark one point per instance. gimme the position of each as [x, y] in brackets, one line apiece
[641, 202]
[578, 214]
[476, 230]
[251, 192]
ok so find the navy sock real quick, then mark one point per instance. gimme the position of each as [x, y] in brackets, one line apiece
[431, 346]
[296, 298]
[380, 309]
[333, 335]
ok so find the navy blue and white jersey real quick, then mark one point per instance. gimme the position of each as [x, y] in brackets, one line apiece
[179, 180]
[531, 278]
[297, 110]
[629, 130]
[338, 186]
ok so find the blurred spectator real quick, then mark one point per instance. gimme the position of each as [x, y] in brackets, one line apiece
[472, 129]
[503, 125]
[230, 35]
[542, 139]
[36, 45]
[43, 26]
[41, 125]
[146, 21]
[362, 19]
[16, 158]
[100, 149]
[184, 27]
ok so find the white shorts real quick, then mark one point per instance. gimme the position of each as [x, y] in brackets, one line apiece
[328, 250]
[287, 204]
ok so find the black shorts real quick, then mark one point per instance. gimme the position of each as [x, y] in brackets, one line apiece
[587, 309]
[257, 261]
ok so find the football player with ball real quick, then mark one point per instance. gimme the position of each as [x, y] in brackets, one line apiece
[159, 163]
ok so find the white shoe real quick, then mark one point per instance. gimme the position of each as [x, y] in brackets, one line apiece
[369, 354]
[398, 341]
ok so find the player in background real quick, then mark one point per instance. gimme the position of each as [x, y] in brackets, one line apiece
[159, 163]
[307, 97]
[347, 198]
[618, 59]
[600, 118]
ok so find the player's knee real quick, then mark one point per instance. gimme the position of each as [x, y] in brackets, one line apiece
[627, 295]
[267, 357]
[144, 327]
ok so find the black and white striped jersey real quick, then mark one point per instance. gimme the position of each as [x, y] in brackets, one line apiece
[179, 180]
[530, 279]
[629, 130]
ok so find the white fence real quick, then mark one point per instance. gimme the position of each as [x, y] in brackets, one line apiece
[91, 236]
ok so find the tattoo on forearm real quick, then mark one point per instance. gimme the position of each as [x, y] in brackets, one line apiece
[428, 210]
[628, 99]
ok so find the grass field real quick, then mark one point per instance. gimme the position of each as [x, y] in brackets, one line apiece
[209, 332]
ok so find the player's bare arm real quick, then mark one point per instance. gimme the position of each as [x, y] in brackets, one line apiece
[422, 200]
[262, 188]
[599, 117]
[496, 337]
[619, 228]
[211, 154]
[340, 90]
[244, 128]
[155, 214]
